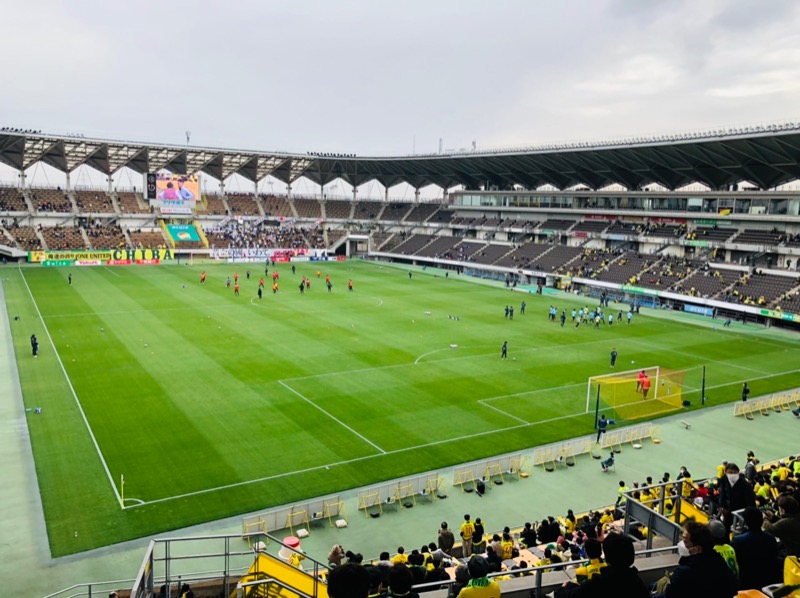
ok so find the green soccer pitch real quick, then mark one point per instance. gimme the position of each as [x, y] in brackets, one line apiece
[212, 405]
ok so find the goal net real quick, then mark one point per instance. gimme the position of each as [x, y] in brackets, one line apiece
[640, 393]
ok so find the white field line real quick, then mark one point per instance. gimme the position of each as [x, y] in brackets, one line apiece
[519, 419]
[334, 418]
[110, 270]
[355, 460]
[533, 392]
[74, 394]
[698, 357]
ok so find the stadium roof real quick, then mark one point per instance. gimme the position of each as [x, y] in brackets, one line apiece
[766, 156]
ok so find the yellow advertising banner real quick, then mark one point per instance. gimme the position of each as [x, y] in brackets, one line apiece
[115, 255]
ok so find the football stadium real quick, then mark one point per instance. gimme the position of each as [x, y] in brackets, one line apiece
[293, 362]
[248, 373]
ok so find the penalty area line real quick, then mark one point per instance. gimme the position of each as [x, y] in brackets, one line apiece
[72, 390]
[333, 417]
[519, 419]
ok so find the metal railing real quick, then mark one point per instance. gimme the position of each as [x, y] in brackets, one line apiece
[170, 561]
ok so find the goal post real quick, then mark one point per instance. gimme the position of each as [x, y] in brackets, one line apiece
[623, 396]
[610, 385]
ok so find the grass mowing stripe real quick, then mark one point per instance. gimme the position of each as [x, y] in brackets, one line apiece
[699, 357]
[72, 389]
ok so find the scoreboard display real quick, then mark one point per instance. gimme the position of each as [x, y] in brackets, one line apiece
[173, 187]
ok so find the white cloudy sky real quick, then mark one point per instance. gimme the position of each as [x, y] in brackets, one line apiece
[371, 76]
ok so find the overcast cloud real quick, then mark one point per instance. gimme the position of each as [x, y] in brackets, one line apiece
[371, 76]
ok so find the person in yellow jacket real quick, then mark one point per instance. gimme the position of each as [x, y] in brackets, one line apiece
[507, 546]
[401, 558]
[594, 550]
[467, 531]
[479, 586]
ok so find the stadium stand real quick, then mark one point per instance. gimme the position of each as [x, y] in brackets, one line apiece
[368, 210]
[589, 262]
[308, 208]
[106, 237]
[129, 203]
[152, 239]
[11, 200]
[488, 254]
[413, 244]
[315, 237]
[26, 237]
[522, 256]
[707, 282]
[762, 289]
[789, 301]
[618, 227]
[625, 269]
[792, 240]
[235, 235]
[215, 204]
[93, 202]
[441, 217]
[752, 236]
[668, 272]
[591, 226]
[62, 237]
[277, 207]
[334, 236]
[396, 211]
[556, 224]
[440, 247]
[665, 230]
[711, 234]
[242, 204]
[421, 212]
[338, 210]
[557, 258]
[379, 239]
[462, 221]
[50, 200]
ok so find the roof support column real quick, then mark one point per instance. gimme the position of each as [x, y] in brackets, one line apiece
[288, 191]
[109, 184]
[386, 194]
[355, 194]
[67, 188]
[322, 192]
[222, 187]
[445, 195]
[21, 178]
[416, 194]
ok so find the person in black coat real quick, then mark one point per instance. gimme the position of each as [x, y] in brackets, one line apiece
[619, 578]
[735, 492]
[756, 553]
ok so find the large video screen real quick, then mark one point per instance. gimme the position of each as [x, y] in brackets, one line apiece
[177, 187]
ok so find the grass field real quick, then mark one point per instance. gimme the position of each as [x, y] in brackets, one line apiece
[212, 405]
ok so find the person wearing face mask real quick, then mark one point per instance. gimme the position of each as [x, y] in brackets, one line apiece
[701, 570]
[735, 493]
